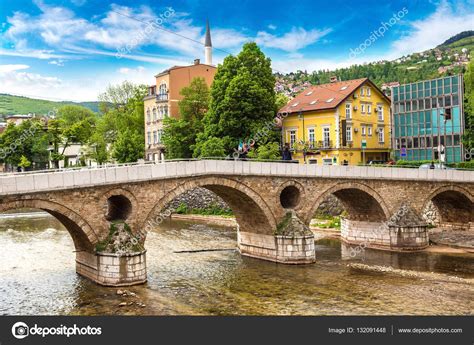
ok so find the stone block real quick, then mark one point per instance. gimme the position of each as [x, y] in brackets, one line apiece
[98, 176]
[25, 183]
[55, 180]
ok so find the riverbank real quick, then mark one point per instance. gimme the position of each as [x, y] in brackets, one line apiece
[214, 220]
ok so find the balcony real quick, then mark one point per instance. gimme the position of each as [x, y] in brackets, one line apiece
[313, 145]
[162, 97]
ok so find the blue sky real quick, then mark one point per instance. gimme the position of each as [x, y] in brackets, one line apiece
[72, 49]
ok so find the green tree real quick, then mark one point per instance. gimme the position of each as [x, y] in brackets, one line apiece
[468, 138]
[242, 100]
[24, 163]
[121, 128]
[268, 151]
[180, 135]
[74, 125]
[213, 147]
[129, 147]
[28, 140]
[280, 101]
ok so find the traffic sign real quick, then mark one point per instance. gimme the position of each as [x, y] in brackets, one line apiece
[403, 152]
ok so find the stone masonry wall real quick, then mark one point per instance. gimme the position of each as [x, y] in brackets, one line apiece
[199, 198]
[112, 269]
[379, 235]
[282, 249]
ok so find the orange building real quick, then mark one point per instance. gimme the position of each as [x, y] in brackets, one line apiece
[163, 97]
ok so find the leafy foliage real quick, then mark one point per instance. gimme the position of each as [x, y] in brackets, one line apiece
[268, 151]
[121, 128]
[468, 138]
[74, 125]
[26, 141]
[242, 101]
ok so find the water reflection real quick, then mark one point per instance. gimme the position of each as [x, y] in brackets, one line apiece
[37, 276]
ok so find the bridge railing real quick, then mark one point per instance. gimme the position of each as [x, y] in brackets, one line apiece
[141, 163]
[66, 179]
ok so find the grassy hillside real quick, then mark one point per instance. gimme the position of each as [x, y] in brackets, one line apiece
[23, 105]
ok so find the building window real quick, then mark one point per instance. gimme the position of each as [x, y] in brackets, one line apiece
[369, 109]
[363, 130]
[311, 137]
[349, 133]
[166, 111]
[163, 92]
[361, 91]
[326, 136]
[368, 91]
[348, 110]
[148, 116]
[292, 138]
[362, 108]
[154, 114]
[380, 113]
[155, 137]
[159, 135]
[149, 138]
[369, 131]
[381, 135]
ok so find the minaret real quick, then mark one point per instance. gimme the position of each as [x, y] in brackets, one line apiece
[208, 46]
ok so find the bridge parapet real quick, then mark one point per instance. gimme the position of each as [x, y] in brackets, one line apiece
[44, 181]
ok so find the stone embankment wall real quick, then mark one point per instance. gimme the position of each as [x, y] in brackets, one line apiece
[199, 198]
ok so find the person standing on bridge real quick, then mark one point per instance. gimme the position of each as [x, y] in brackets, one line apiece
[286, 154]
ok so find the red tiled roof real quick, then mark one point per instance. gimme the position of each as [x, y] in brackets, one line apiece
[336, 92]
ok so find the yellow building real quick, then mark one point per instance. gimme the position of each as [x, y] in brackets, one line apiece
[345, 122]
[163, 97]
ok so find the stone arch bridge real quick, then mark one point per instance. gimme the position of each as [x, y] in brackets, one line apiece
[383, 205]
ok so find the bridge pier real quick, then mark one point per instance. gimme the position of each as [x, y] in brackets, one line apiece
[112, 269]
[281, 249]
[292, 243]
[403, 232]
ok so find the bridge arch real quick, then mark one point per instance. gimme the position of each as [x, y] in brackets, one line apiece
[360, 201]
[82, 234]
[454, 204]
[251, 211]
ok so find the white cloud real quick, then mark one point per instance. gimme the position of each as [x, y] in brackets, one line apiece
[58, 63]
[16, 82]
[433, 30]
[272, 27]
[294, 40]
[129, 71]
[34, 53]
[10, 68]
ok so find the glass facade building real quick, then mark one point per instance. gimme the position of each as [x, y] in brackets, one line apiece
[427, 117]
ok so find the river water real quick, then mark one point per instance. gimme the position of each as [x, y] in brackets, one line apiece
[37, 276]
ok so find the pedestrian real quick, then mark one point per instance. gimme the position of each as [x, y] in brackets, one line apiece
[286, 155]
